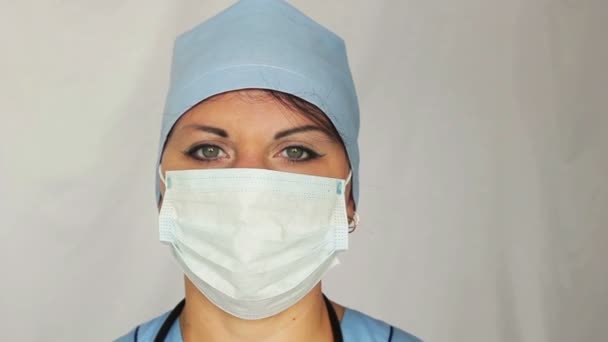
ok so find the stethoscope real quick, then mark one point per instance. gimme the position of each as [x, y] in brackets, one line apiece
[174, 314]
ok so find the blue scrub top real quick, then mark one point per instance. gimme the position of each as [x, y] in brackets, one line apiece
[356, 327]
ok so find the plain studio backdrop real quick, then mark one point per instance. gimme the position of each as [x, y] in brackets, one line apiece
[484, 197]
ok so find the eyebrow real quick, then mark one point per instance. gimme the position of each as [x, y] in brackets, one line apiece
[209, 129]
[307, 128]
[282, 134]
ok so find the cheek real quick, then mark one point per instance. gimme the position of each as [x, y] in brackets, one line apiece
[170, 154]
[340, 164]
[335, 163]
[174, 158]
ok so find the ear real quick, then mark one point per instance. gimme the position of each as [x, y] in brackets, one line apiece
[350, 204]
[161, 189]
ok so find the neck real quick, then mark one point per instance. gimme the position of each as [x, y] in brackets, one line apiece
[307, 320]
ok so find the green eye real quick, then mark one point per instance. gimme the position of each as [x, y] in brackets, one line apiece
[295, 153]
[299, 154]
[206, 152]
[210, 151]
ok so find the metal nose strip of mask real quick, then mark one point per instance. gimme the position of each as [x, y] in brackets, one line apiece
[162, 178]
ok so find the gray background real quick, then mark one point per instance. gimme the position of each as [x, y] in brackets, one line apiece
[484, 197]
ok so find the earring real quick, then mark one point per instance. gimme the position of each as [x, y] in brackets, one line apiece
[353, 222]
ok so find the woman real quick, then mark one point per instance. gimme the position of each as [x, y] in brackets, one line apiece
[258, 180]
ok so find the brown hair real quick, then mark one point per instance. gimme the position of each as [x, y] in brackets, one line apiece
[306, 108]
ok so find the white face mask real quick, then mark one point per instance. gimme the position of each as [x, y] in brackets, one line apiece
[254, 241]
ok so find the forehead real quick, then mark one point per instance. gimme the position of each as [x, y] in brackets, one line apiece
[244, 107]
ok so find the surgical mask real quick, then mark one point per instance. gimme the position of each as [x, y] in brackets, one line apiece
[253, 241]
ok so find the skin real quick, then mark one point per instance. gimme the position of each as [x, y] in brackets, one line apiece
[250, 124]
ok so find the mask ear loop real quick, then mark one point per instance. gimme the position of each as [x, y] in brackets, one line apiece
[354, 222]
[350, 175]
[160, 175]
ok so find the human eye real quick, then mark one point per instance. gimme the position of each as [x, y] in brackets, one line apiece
[299, 154]
[206, 152]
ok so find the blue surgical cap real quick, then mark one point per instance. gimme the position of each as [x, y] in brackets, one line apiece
[265, 44]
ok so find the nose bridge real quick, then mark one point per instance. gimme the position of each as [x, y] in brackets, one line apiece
[251, 158]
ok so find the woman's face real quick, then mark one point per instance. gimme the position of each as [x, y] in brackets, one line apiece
[251, 129]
